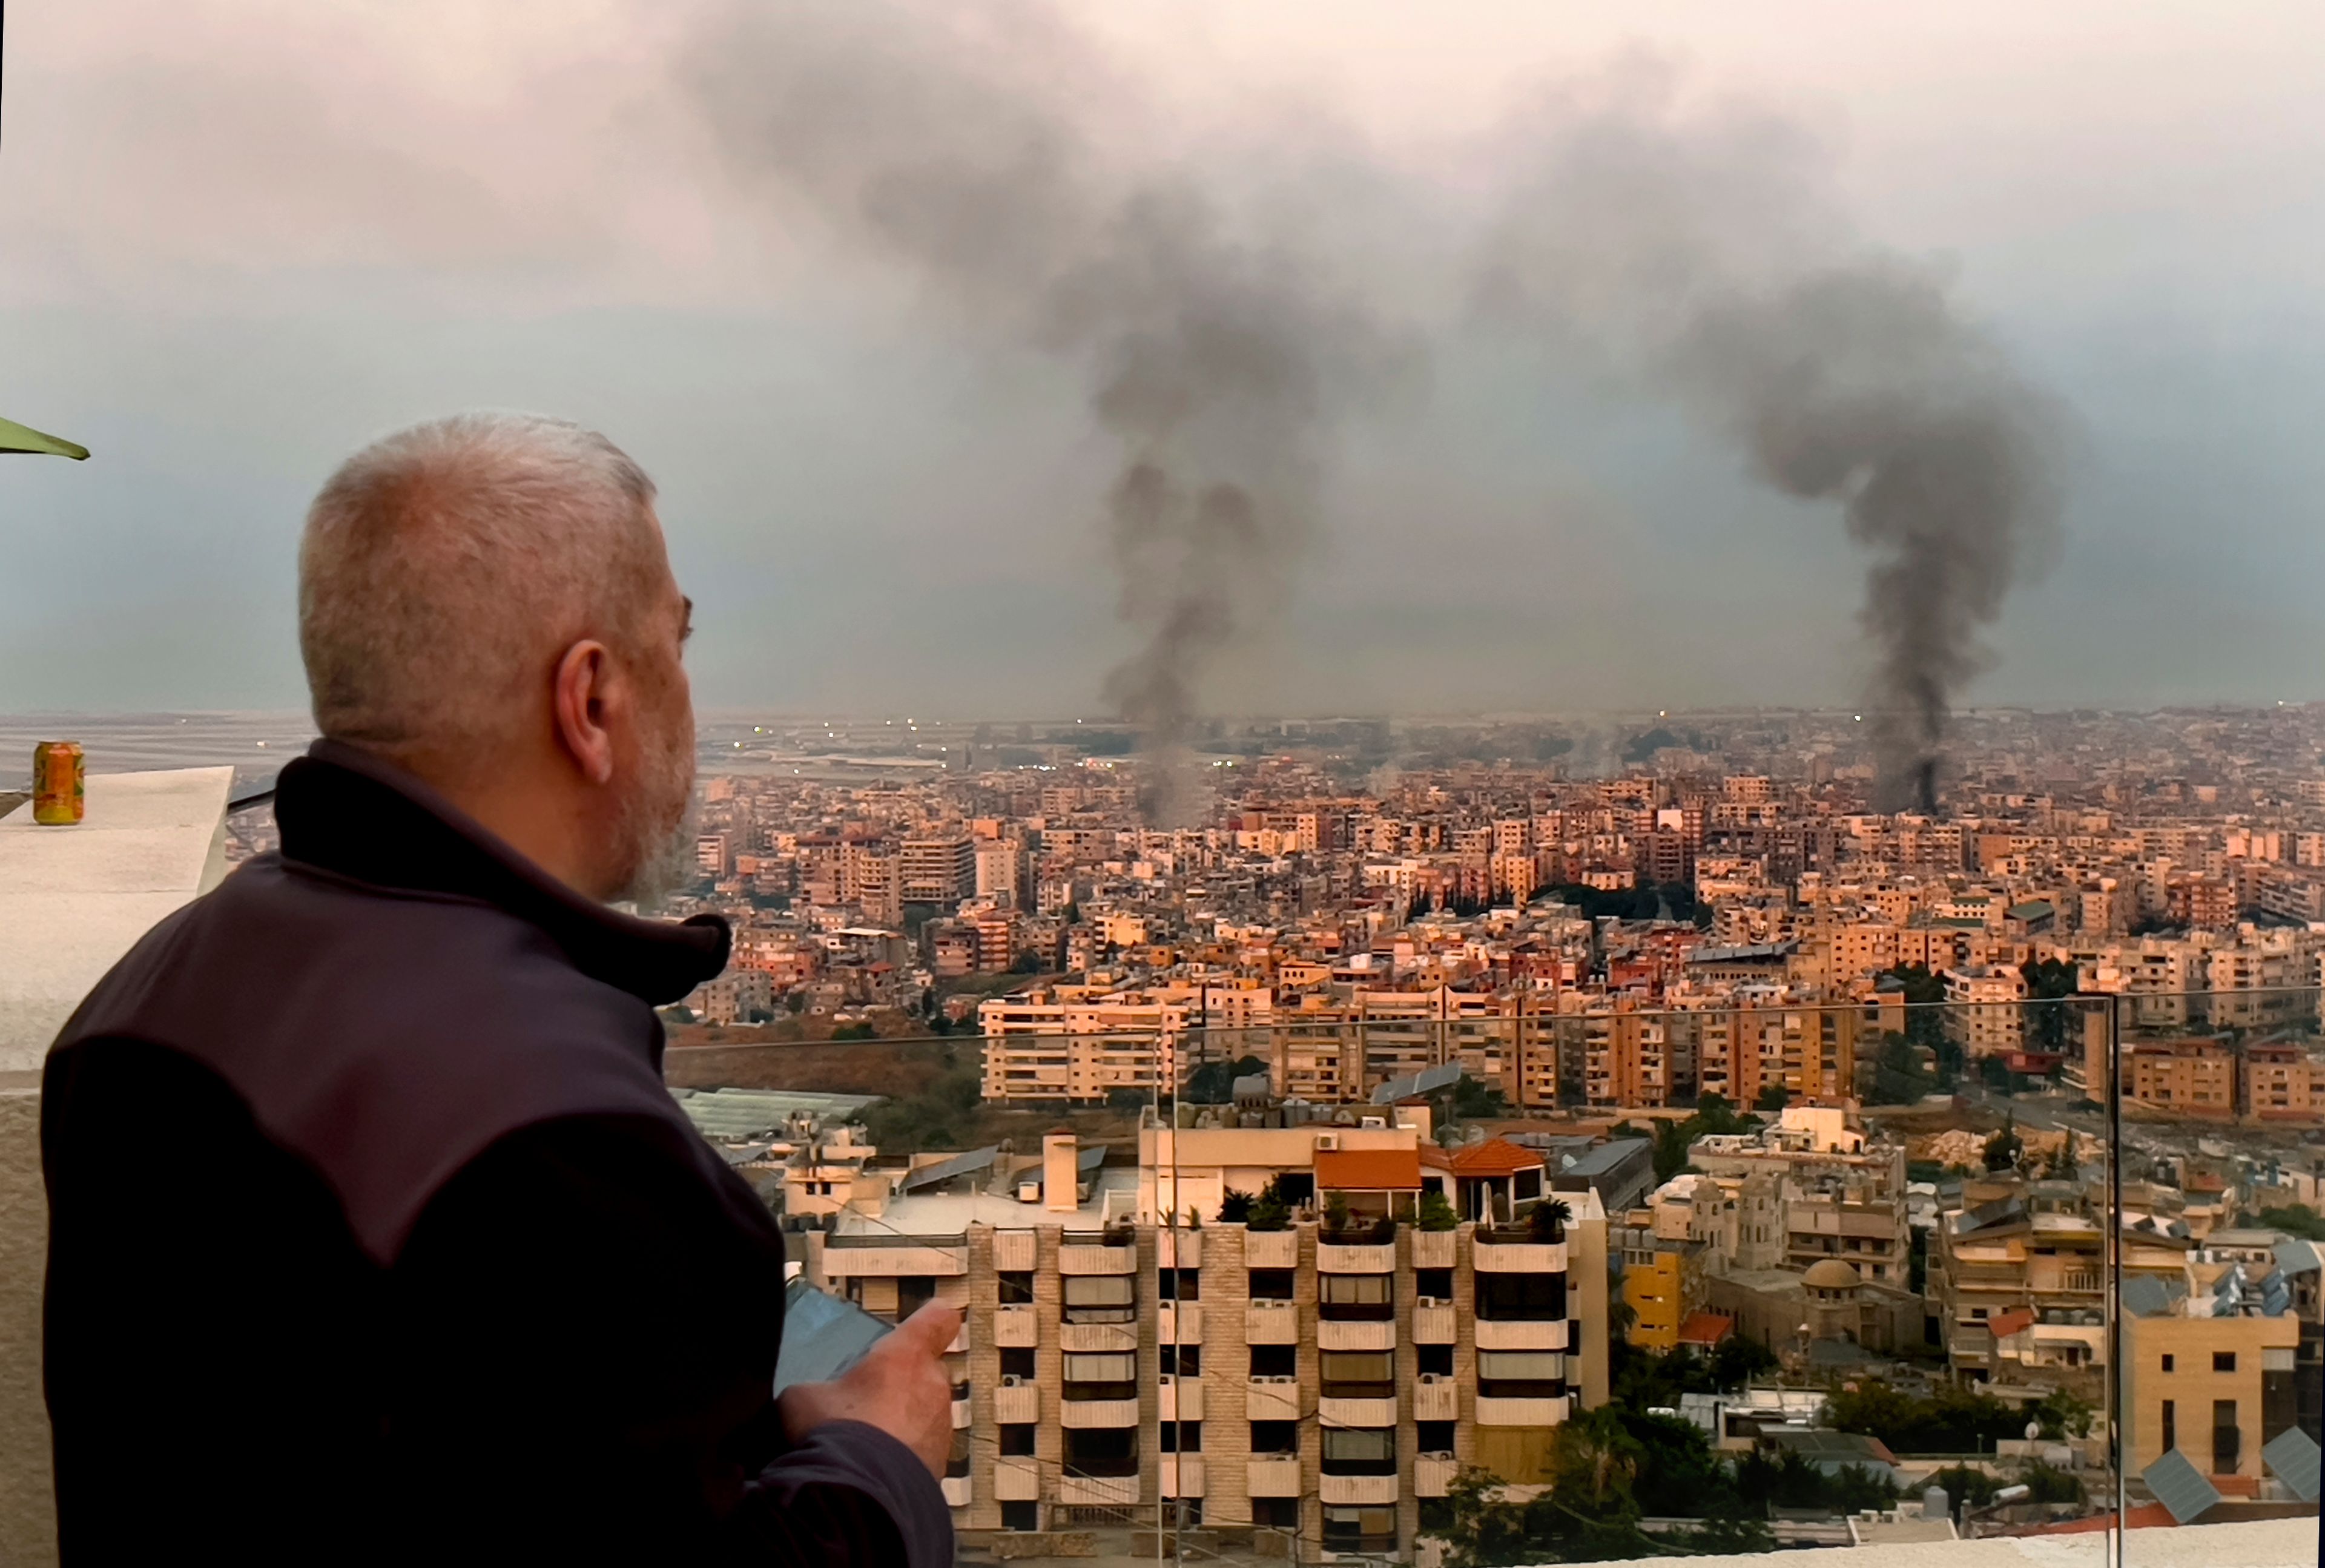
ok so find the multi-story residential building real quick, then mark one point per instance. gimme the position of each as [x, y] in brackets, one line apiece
[1986, 1009]
[2188, 1077]
[1078, 1044]
[939, 869]
[2210, 1373]
[1663, 1282]
[1324, 1386]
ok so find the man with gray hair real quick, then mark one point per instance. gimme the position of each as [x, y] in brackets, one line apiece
[414, 1259]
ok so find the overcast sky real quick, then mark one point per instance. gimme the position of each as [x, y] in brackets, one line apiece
[237, 238]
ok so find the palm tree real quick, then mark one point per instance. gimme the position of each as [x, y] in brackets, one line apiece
[1547, 1220]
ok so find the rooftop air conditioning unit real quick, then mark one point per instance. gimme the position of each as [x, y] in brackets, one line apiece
[1327, 1143]
[1373, 1121]
[1438, 1453]
[1435, 1377]
[1013, 1380]
[1435, 1300]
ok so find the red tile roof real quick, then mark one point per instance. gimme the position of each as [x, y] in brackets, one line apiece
[1705, 1329]
[1368, 1170]
[2004, 1324]
[1495, 1157]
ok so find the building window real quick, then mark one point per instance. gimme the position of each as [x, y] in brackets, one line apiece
[1102, 1376]
[1101, 1451]
[1434, 1360]
[1436, 1284]
[1271, 1284]
[913, 1292]
[1017, 1440]
[1280, 1438]
[2224, 1361]
[1178, 1283]
[1359, 1529]
[1016, 1288]
[1021, 1516]
[1180, 1360]
[1275, 1513]
[1017, 1361]
[1275, 1361]
[1433, 1437]
[1521, 1297]
[1521, 1373]
[1358, 1374]
[1355, 1295]
[956, 1460]
[1360, 1450]
[1182, 1436]
[2171, 1425]
[1100, 1298]
[2168, 1360]
[2227, 1442]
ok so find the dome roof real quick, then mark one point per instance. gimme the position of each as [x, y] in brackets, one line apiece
[1832, 1273]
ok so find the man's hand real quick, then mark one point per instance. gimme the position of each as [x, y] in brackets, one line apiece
[900, 1387]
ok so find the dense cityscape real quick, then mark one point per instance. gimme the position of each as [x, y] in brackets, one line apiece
[1459, 1110]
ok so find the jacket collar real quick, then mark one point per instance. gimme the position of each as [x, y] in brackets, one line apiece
[345, 810]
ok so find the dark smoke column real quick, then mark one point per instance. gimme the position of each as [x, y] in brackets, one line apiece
[1705, 258]
[980, 149]
[1862, 387]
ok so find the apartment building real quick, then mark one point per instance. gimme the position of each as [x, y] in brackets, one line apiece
[2188, 1077]
[1075, 1045]
[1326, 1387]
[939, 869]
[2033, 1249]
[1663, 1282]
[1986, 1009]
[2214, 1381]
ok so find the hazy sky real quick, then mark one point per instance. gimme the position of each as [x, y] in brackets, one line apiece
[237, 238]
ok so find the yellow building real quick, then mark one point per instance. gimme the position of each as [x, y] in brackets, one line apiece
[1662, 1284]
[2210, 1386]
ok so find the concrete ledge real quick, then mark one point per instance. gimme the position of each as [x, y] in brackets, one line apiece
[2267, 1543]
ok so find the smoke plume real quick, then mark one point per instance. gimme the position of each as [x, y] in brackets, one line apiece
[988, 151]
[1701, 256]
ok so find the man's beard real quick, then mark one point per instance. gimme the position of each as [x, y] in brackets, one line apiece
[658, 825]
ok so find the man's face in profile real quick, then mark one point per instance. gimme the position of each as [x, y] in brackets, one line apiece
[656, 829]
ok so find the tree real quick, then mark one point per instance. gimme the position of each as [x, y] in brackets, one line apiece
[1547, 1220]
[1234, 1208]
[1272, 1210]
[1434, 1213]
[1775, 1096]
[1213, 1083]
[2294, 1219]
[1127, 1099]
[1336, 1214]
[2047, 982]
[2003, 1149]
[861, 1031]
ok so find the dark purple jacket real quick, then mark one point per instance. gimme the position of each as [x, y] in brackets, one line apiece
[374, 1234]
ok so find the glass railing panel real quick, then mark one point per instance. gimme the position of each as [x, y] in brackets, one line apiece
[2219, 1375]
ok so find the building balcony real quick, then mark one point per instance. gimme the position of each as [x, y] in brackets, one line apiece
[1271, 1250]
[1179, 1399]
[1017, 1404]
[1271, 1322]
[1355, 1258]
[959, 1491]
[1435, 1249]
[1017, 1327]
[1519, 1334]
[960, 1340]
[1016, 1251]
[1342, 1334]
[1435, 1325]
[1518, 1257]
[1099, 1491]
[1087, 1258]
[1178, 1248]
[1365, 1413]
[1098, 1339]
[1377, 1490]
[1276, 1476]
[1180, 1475]
[1017, 1480]
[1436, 1398]
[895, 1256]
[1520, 1412]
[1178, 1323]
[960, 1414]
[1434, 1478]
[1272, 1399]
[1098, 1412]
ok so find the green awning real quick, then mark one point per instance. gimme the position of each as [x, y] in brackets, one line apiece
[17, 437]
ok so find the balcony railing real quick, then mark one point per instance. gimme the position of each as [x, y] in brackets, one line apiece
[1856, 1152]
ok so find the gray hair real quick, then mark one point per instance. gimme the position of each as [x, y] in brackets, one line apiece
[445, 568]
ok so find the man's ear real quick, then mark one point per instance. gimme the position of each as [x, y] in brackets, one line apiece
[582, 691]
